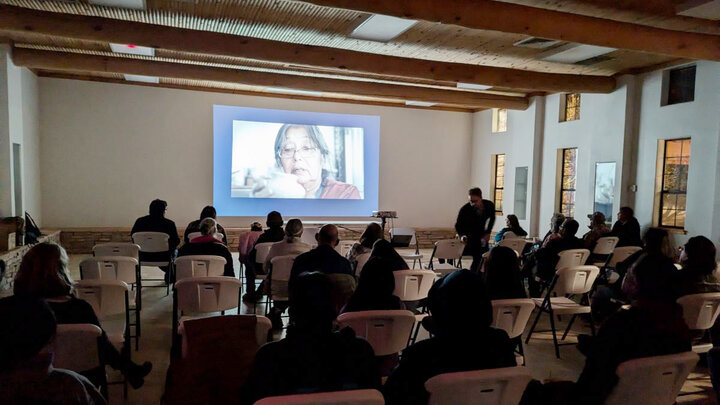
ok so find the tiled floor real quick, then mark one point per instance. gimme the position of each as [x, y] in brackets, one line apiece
[540, 357]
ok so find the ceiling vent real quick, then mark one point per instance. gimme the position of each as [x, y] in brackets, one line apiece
[536, 43]
[595, 60]
[573, 53]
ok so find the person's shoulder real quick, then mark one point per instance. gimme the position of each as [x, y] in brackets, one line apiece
[351, 343]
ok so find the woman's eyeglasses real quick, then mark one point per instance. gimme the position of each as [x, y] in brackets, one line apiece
[303, 152]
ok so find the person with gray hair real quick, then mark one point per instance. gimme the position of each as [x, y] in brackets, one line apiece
[208, 245]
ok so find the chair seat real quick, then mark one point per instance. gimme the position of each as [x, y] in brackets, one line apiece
[442, 269]
[702, 348]
[279, 297]
[411, 256]
[519, 359]
[184, 318]
[562, 305]
[158, 264]
[613, 278]
[599, 264]
[420, 317]
[114, 327]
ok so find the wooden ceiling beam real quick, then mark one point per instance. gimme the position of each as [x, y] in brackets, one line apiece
[544, 23]
[66, 61]
[20, 19]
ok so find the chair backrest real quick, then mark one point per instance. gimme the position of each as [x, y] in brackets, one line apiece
[262, 327]
[308, 235]
[413, 285]
[516, 244]
[126, 249]
[107, 297]
[605, 245]
[75, 347]
[512, 315]
[575, 280]
[386, 331]
[354, 397]
[572, 258]
[281, 268]
[700, 310]
[150, 242]
[216, 235]
[109, 268]
[499, 386]
[207, 294]
[448, 249]
[652, 380]
[199, 266]
[262, 250]
[620, 254]
[344, 246]
[404, 231]
[361, 260]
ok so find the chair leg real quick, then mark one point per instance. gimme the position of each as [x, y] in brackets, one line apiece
[572, 319]
[554, 335]
[537, 319]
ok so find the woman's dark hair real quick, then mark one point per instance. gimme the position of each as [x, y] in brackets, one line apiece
[502, 274]
[208, 212]
[650, 278]
[274, 219]
[383, 249]
[28, 326]
[515, 225]
[458, 302]
[700, 255]
[657, 241]
[372, 233]
[158, 208]
[43, 272]
[375, 285]
[570, 227]
[311, 303]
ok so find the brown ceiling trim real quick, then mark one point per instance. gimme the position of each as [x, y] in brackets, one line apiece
[652, 68]
[544, 23]
[180, 39]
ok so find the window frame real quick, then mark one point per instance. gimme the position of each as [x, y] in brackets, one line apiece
[662, 192]
[561, 185]
[495, 177]
[564, 105]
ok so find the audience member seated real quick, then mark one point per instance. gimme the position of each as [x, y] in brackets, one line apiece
[698, 268]
[43, 273]
[208, 245]
[656, 243]
[554, 233]
[247, 240]
[502, 274]
[290, 245]
[512, 229]
[194, 226]
[274, 233]
[626, 228]
[312, 358]
[529, 259]
[372, 233]
[375, 288]
[463, 339]
[26, 373]
[156, 222]
[547, 257]
[382, 249]
[598, 229]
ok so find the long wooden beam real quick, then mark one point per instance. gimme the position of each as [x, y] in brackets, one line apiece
[540, 22]
[20, 19]
[66, 61]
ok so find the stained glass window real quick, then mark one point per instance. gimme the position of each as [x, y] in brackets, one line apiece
[567, 182]
[499, 120]
[499, 183]
[572, 107]
[673, 195]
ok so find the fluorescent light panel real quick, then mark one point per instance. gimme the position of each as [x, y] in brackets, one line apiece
[133, 4]
[419, 103]
[571, 53]
[472, 86]
[381, 28]
[132, 49]
[143, 79]
[293, 91]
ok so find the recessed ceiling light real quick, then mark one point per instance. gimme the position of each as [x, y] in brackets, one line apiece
[419, 103]
[472, 86]
[571, 53]
[143, 79]
[381, 28]
[132, 49]
[134, 4]
[293, 91]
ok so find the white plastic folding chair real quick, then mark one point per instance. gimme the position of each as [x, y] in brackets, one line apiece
[568, 258]
[261, 253]
[308, 235]
[700, 312]
[127, 249]
[279, 278]
[568, 281]
[498, 386]
[512, 316]
[446, 249]
[197, 296]
[619, 255]
[411, 286]
[652, 380]
[117, 268]
[516, 244]
[386, 331]
[361, 260]
[354, 397]
[76, 347]
[154, 242]
[344, 246]
[199, 266]
[416, 256]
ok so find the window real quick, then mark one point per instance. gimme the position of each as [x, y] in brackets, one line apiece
[570, 107]
[498, 182]
[678, 85]
[521, 185]
[568, 180]
[673, 193]
[499, 120]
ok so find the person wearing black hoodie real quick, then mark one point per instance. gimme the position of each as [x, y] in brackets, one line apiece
[274, 233]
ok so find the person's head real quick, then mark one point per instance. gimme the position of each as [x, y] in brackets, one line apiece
[44, 272]
[569, 228]
[597, 219]
[28, 327]
[652, 275]
[158, 208]
[372, 233]
[657, 241]
[208, 226]
[301, 150]
[625, 214]
[502, 269]
[512, 222]
[383, 249]
[556, 222]
[208, 212]
[328, 235]
[475, 197]
[274, 219]
[377, 278]
[458, 301]
[293, 229]
[311, 304]
[699, 255]
[256, 227]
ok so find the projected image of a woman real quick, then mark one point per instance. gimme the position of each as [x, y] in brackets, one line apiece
[301, 153]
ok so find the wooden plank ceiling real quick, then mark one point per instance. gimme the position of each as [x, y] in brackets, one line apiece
[249, 46]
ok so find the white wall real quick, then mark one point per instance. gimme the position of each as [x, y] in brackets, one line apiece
[108, 149]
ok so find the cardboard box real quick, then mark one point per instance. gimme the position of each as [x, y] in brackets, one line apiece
[7, 239]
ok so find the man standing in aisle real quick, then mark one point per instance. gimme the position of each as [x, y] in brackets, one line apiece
[474, 225]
